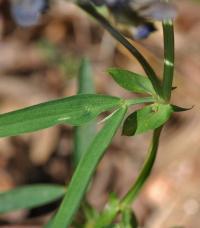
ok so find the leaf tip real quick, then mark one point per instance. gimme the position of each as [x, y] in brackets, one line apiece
[176, 108]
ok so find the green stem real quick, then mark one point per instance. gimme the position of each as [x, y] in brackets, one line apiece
[106, 218]
[117, 35]
[168, 73]
[145, 172]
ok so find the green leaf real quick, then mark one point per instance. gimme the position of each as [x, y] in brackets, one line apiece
[129, 219]
[74, 110]
[29, 196]
[109, 213]
[145, 119]
[132, 81]
[90, 213]
[85, 170]
[84, 134]
[180, 109]
[89, 8]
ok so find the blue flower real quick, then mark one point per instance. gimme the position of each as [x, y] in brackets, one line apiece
[143, 31]
[27, 12]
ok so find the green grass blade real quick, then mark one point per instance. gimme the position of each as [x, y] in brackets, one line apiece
[132, 81]
[29, 196]
[85, 169]
[84, 134]
[74, 110]
[85, 82]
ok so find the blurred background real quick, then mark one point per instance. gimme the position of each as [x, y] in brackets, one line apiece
[40, 63]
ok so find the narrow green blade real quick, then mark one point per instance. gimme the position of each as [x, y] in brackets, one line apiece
[132, 81]
[180, 109]
[85, 82]
[85, 169]
[84, 134]
[148, 118]
[74, 110]
[29, 196]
